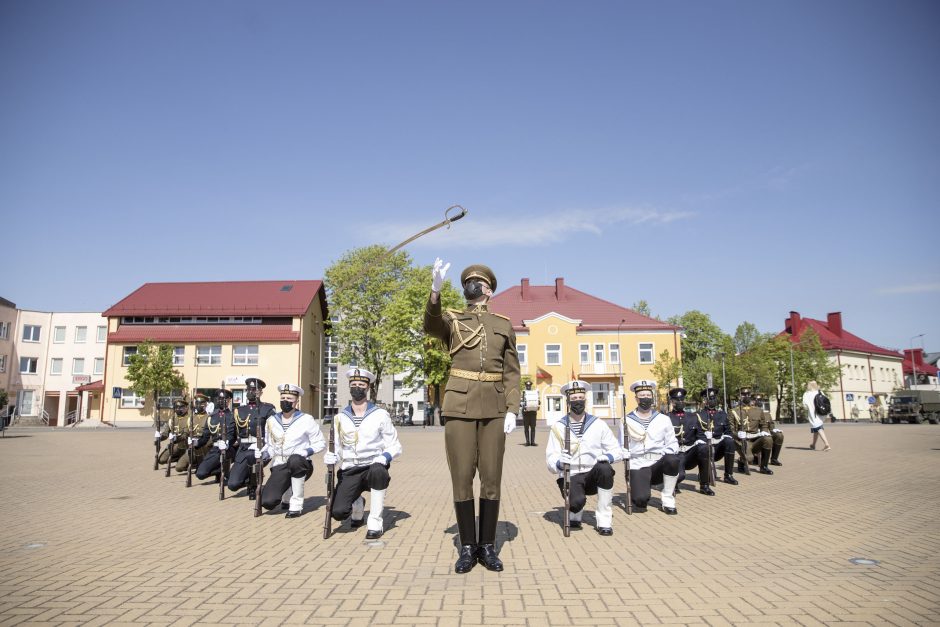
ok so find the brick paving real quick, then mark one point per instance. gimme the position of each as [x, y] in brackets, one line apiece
[91, 535]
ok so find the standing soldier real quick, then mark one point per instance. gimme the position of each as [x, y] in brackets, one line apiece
[776, 435]
[481, 401]
[291, 439]
[530, 408]
[593, 451]
[693, 447]
[367, 442]
[176, 431]
[247, 419]
[715, 423]
[220, 429]
[649, 440]
[754, 429]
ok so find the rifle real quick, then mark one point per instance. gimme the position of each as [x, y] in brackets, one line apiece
[169, 450]
[259, 463]
[330, 491]
[189, 450]
[712, 473]
[223, 455]
[744, 443]
[626, 445]
[566, 481]
[157, 438]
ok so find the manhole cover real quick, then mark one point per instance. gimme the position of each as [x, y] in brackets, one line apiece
[863, 561]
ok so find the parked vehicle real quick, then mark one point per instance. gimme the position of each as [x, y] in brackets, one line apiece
[914, 406]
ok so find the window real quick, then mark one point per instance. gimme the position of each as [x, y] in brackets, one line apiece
[646, 352]
[244, 355]
[31, 333]
[58, 335]
[208, 355]
[584, 351]
[99, 365]
[601, 393]
[553, 354]
[81, 333]
[179, 355]
[128, 351]
[102, 335]
[4, 330]
[521, 350]
[3, 363]
[598, 353]
[78, 365]
[129, 399]
[166, 402]
[55, 365]
[29, 365]
[615, 353]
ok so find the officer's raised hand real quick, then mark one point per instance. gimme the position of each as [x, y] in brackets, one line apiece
[437, 274]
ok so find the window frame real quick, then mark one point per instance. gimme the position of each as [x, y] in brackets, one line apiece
[182, 356]
[522, 351]
[56, 338]
[95, 370]
[4, 330]
[101, 334]
[599, 350]
[84, 337]
[130, 400]
[38, 333]
[611, 351]
[78, 361]
[213, 356]
[651, 349]
[584, 354]
[29, 360]
[52, 366]
[247, 356]
[126, 352]
[3, 363]
[549, 362]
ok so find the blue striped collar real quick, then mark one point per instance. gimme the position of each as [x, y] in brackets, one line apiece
[348, 411]
[588, 419]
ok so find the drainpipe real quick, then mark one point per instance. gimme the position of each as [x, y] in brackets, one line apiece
[841, 390]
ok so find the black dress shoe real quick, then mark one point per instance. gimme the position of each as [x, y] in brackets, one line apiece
[533, 443]
[639, 509]
[373, 534]
[706, 490]
[766, 471]
[605, 531]
[730, 479]
[292, 514]
[671, 511]
[574, 524]
[775, 462]
[355, 524]
[677, 490]
[486, 555]
[466, 560]
[285, 505]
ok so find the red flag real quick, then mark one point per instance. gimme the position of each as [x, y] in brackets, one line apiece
[542, 374]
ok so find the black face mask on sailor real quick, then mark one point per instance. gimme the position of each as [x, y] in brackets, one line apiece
[287, 406]
[644, 403]
[576, 407]
[358, 394]
[472, 290]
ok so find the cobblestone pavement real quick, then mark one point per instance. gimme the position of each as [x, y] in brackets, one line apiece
[91, 535]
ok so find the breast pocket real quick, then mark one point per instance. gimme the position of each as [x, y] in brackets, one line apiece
[455, 396]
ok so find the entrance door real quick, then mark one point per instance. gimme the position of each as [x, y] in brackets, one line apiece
[553, 409]
[24, 403]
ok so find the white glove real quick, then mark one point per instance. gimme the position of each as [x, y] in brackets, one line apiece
[330, 458]
[565, 458]
[171, 437]
[156, 434]
[380, 459]
[257, 454]
[776, 430]
[741, 435]
[437, 274]
[221, 445]
[625, 452]
[709, 434]
[190, 440]
[763, 433]
[509, 424]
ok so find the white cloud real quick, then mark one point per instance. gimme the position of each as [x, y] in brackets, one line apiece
[503, 229]
[914, 288]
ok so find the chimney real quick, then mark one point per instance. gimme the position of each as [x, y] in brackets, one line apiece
[793, 323]
[560, 288]
[919, 357]
[834, 322]
[525, 289]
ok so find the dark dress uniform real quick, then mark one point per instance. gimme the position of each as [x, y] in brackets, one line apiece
[247, 419]
[482, 387]
[693, 451]
[219, 426]
[752, 421]
[716, 420]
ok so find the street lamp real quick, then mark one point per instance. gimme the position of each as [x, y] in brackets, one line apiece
[623, 394]
[724, 382]
[913, 361]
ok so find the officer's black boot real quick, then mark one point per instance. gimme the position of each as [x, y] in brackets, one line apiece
[729, 469]
[486, 552]
[467, 529]
[532, 437]
[764, 458]
[774, 454]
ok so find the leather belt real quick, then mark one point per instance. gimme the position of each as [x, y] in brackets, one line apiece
[476, 376]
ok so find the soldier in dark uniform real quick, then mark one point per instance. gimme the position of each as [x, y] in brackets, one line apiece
[714, 421]
[481, 401]
[220, 429]
[693, 449]
[754, 429]
[176, 430]
[529, 413]
[248, 417]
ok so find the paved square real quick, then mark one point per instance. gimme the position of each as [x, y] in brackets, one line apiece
[91, 535]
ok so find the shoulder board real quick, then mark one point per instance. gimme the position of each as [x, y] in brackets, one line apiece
[501, 316]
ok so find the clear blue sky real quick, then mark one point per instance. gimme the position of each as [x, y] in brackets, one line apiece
[741, 158]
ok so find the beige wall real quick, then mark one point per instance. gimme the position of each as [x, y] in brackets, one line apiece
[862, 378]
[7, 317]
[58, 387]
[30, 382]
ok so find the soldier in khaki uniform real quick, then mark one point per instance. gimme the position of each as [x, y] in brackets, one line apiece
[775, 434]
[176, 430]
[754, 427]
[194, 427]
[481, 400]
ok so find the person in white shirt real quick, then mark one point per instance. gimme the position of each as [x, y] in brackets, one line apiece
[815, 422]
[291, 438]
[590, 458]
[649, 441]
[366, 443]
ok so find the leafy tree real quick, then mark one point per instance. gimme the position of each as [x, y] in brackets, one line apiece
[666, 370]
[151, 372]
[643, 308]
[746, 336]
[701, 338]
[3, 399]
[810, 363]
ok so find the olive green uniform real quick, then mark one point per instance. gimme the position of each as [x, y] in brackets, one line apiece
[180, 428]
[752, 420]
[199, 421]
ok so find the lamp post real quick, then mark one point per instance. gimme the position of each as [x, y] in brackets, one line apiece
[623, 394]
[913, 361]
[792, 384]
[724, 382]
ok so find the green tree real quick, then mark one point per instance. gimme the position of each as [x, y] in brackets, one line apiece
[701, 338]
[151, 372]
[746, 336]
[666, 370]
[810, 363]
[3, 399]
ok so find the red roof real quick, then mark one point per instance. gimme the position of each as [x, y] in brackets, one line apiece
[133, 333]
[915, 358]
[222, 298]
[528, 302]
[832, 336]
[94, 386]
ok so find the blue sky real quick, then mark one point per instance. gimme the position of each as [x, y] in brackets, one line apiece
[739, 158]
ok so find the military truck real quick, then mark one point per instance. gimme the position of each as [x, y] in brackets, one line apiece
[914, 406]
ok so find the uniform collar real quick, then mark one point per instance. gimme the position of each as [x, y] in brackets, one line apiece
[370, 407]
[478, 308]
[588, 419]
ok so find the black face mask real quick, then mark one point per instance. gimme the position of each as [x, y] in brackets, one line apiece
[252, 396]
[576, 407]
[200, 408]
[221, 404]
[287, 406]
[746, 401]
[678, 405]
[472, 290]
[711, 403]
[358, 394]
[645, 403]
[182, 411]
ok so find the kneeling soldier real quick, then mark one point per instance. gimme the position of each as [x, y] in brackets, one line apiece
[693, 447]
[593, 450]
[367, 444]
[248, 417]
[176, 431]
[220, 429]
[291, 438]
[753, 430]
[650, 442]
[776, 435]
[718, 431]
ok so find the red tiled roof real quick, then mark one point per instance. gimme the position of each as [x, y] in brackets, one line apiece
[94, 386]
[595, 313]
[222, 298]
[921, 368]
[830, 341]
[133, 333]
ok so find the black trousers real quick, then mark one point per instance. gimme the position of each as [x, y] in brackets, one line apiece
[528, 425]
[585, 483]
[725, 449]
[641, 479]
[211, 464]
[352, 482]
[279, 479]
[694, 457]
[242, 470]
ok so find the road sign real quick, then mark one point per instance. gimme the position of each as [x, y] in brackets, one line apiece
[116, 392]
[850, 397]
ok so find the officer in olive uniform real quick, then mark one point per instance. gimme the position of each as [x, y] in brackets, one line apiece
[220, 429]
[752, 427]
[693, 451]
[529, 413]
[715, 423]
[481, 401]
[248, 418]
[176, 430]
[775, 434]
[195, 426]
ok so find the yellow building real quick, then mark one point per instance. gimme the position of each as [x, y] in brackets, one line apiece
[562, 333]
[222, 333]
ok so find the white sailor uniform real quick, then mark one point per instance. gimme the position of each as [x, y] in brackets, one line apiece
[653, 452]
[289, 446]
